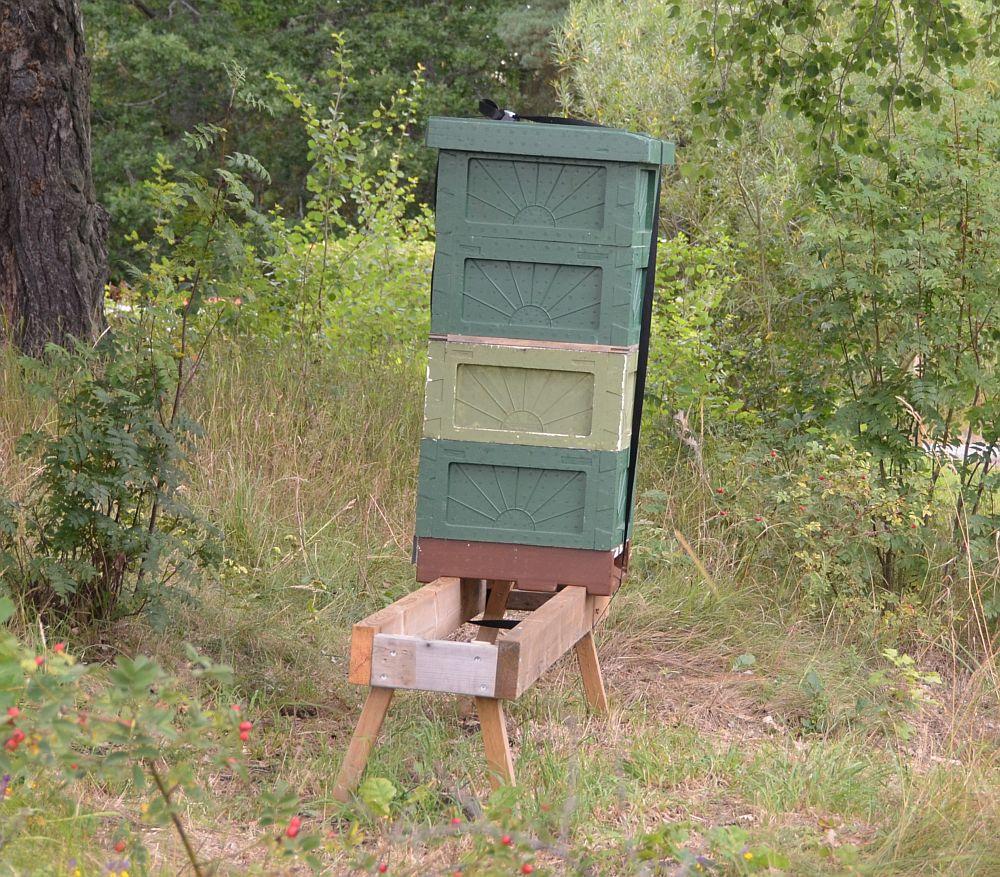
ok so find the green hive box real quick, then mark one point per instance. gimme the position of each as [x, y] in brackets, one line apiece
[529, 395]
[502, 288]
[566, 183]
[528, 495]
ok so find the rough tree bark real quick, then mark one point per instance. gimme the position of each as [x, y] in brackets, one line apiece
[53, 233]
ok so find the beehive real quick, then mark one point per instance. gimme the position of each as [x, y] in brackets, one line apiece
[543, 247]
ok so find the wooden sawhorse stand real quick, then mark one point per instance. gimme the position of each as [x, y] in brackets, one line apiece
[403, 646]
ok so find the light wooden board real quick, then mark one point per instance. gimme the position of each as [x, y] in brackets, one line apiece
[590, 670]
[360, 748]
[541, 639]
[431, 612]
[495, 741]
[434, 665]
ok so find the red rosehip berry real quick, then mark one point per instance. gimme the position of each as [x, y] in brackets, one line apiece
[724, 513]
[73, 766]
[235, 707]
[720, 490]
[39, 660]
[758, 518]
[527, 868]
[244, 736]
[120, 847]
[13, 712]
[246, 726]
[773, 454]
[294, 824]
[382, 868]
[59, 648]
[455, 820]
[506, 840]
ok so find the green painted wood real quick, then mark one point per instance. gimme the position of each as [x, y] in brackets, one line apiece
[504, 288]
[529, 495]
[560, 398]
[573, 201]
[534, 139]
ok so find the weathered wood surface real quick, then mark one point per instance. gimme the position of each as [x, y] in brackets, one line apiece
[434, 665]
[493, 724]
[431, 612]
[360, 747]
[590, 670]
[541, 639]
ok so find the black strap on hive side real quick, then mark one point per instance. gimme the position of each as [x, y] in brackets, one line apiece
[645, 331]
[492, 110]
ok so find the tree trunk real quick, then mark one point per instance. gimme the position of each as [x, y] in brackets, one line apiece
[53, 233]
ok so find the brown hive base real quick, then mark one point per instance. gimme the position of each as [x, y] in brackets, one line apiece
[533, 567]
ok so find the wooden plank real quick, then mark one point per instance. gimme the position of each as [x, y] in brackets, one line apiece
[359, 667]
[590, 670]
[528, 650]
[433, 611]
[360, 748]
[434, 665]
[495, 741]
[601, 606]
[528, 601]
[496, 606]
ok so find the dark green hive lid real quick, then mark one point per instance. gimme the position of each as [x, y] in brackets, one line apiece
[539, 139]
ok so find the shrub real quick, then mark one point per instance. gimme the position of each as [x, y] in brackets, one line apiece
[104, 527]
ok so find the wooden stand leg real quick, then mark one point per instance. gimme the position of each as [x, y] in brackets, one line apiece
[590, 669]
[365, 734]
[496, 605]
[494, 726]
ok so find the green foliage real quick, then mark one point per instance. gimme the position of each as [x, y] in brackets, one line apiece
[137, 729]
[907, 283]
[841, 527]
[160, 68]
[845, 69]
[355, 270]
[688, 362]
[849, 173]
[104, 527]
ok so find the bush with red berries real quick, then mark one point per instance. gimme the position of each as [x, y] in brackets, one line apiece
[64, 722]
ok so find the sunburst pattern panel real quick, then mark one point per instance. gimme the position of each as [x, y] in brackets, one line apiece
[516, 498]
[536, 294]
[524, 400]
[536, 193]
